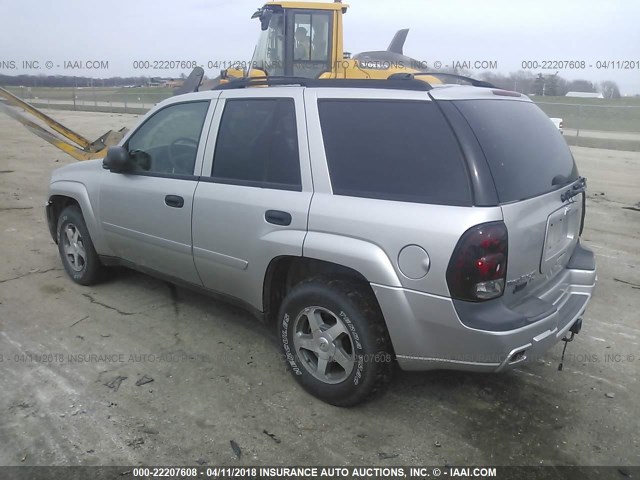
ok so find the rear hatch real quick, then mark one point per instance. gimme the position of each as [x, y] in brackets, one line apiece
[538, 187]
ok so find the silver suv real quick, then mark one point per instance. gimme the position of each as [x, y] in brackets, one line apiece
[376, 223]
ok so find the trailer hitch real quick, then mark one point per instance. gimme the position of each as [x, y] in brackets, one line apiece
[575, 329]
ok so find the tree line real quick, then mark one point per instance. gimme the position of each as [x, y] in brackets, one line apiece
[549, 85]
[69, 81]
[523, 81]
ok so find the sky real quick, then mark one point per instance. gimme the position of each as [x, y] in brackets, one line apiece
[123, 33]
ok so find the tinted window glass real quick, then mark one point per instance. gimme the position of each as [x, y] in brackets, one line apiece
[168, 141]
[395, 150]
[258, 144]
[526, 153]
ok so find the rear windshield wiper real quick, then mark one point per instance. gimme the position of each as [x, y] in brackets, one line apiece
[577, 189]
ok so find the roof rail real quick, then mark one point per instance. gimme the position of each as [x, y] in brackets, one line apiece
[411, 76]
[391, 83]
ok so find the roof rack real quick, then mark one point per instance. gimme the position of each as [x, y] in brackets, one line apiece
[411, 76]
[391, 83]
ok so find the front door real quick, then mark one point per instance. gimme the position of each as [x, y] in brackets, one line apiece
[146, 213]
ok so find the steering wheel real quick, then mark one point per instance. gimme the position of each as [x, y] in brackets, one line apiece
[182, 155]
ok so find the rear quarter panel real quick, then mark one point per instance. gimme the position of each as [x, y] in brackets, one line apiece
[381, 228]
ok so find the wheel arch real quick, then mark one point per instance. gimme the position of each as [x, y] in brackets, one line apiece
[284, 272]
[55, 206]
[66, 193]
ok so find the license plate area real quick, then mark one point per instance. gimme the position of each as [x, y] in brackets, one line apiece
[563, 228]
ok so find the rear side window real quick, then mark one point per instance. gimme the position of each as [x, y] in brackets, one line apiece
[526, 153]
[257, 144]
[393, 150]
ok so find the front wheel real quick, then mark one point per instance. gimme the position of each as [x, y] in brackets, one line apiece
[335, 341]
[78, 255]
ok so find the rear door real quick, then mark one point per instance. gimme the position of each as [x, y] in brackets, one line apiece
[532, 168]
[252, 202]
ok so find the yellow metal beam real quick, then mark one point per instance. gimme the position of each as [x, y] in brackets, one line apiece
[57, 127]
[72, 150]
[108, 139]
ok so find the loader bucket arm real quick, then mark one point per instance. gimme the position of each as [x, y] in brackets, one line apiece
[83, 148]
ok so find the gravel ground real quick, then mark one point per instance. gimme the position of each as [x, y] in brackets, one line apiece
[217, 375]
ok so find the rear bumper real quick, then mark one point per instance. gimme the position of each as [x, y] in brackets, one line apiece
[427, 332]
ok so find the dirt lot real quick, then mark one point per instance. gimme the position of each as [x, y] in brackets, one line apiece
[217, 375]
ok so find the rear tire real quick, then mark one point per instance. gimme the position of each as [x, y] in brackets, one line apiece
[335, 341]
[77, 253]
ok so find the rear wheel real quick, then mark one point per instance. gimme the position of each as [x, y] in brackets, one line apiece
[78, 255]
[335, 341]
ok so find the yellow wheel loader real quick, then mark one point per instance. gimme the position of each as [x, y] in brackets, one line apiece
[305, 40]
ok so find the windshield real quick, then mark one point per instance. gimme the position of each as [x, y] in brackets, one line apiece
[269, 53]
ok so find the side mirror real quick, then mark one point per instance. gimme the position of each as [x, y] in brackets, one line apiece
[265, 19]
[117, 160]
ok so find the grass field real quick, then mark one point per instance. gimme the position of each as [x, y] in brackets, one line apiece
[619, 102]
[147, 95]
[613, 115]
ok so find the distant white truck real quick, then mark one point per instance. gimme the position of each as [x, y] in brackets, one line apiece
[558, 123]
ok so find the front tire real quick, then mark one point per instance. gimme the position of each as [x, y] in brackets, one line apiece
[77, 253]
[335, 341]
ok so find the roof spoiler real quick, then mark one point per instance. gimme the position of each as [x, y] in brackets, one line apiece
[411, 76]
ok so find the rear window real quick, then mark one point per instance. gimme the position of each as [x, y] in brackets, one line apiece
[393, 150]
[526, 153]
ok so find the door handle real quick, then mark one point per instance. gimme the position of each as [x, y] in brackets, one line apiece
[174, 201]
[277, 217]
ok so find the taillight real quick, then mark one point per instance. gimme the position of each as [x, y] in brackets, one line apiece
[478, 267]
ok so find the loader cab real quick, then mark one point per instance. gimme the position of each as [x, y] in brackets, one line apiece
[299, 39]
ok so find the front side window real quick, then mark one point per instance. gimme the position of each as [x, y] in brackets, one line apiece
[257, 144]
[167, 143]
[393, 150]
